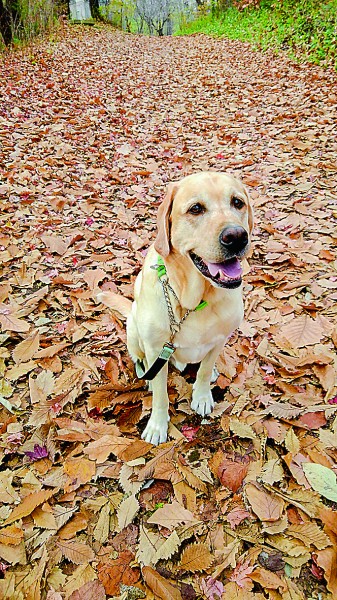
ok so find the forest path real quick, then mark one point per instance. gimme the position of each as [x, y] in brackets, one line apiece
[93, 128]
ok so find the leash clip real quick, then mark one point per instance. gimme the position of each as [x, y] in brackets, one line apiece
[164, 356]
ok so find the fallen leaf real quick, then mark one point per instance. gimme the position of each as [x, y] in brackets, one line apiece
[322, 480]
[196, 557]
[266, 506]
[160, 586]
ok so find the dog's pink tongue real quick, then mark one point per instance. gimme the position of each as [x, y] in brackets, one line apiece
[231, 268]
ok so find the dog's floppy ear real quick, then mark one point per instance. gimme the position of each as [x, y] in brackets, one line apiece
[250, 218]
[162, 242]
[250, 213]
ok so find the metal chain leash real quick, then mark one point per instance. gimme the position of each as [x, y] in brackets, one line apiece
[174, 324]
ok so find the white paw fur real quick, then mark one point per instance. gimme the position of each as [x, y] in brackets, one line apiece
[155, 431]
[202, 402]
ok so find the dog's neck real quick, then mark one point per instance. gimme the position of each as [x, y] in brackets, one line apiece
[189, 285]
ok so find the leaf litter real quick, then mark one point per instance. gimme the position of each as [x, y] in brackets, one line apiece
[243, 504]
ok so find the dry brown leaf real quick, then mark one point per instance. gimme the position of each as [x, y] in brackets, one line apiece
[79, 471]
[11, 535]
[267, 579]
[310, 534]
[134, 450]
[19, 370]
[56, 243]
[160, 586]
[196, 557]
[172, 515]
[100, 449]
[78, 522]
[272, 471]
[127, 511]
[93, 276]
[76, 552]
[27, 348]
[327, 560]
[92, 590]
[113, 572]
[302, 331]
[28, 504]
[266, 506]
[242, 429]
[51, 351]
[10, 322]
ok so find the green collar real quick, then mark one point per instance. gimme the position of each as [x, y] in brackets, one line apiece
[161, 272]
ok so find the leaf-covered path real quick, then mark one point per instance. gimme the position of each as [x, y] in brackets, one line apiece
[242, 505]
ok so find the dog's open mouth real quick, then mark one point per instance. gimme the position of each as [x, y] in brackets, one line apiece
[226, 274]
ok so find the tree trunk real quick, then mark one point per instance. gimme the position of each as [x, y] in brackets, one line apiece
[5, 24]
[95, 12]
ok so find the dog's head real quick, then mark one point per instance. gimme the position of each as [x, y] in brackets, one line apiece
[207, 217]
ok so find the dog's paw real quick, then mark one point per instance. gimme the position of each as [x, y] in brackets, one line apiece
[155, 431]
[202, 403]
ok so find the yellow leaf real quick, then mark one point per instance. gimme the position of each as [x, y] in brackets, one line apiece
[169, 547]
[81, 575]
[20, 370]
[241, 429]
[28, 504]
[79, 470]
[102, 528]
[272, 471]
[291, 442]
[11, 536]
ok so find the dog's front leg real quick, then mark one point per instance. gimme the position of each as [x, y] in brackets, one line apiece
[202, 399]
[156, 430]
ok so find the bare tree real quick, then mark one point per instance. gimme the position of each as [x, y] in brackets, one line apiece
[155, 13]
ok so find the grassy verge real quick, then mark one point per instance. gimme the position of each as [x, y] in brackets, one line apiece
[305, 29]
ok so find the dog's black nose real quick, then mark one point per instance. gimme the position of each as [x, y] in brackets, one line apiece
[234, 239]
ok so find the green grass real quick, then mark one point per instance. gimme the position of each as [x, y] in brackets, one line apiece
[305, 29]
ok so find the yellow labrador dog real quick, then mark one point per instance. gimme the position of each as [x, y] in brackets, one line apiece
[188, 295]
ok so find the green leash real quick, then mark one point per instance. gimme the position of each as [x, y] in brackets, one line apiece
[168, 348]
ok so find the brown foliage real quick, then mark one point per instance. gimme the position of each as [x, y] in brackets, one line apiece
[93, 127]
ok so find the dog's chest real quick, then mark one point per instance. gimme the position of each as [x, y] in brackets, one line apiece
[200, 333]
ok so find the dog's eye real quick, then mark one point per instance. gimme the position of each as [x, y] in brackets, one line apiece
[196, 209]
[237, 203]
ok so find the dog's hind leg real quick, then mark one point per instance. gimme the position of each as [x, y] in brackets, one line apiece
[133, 344]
